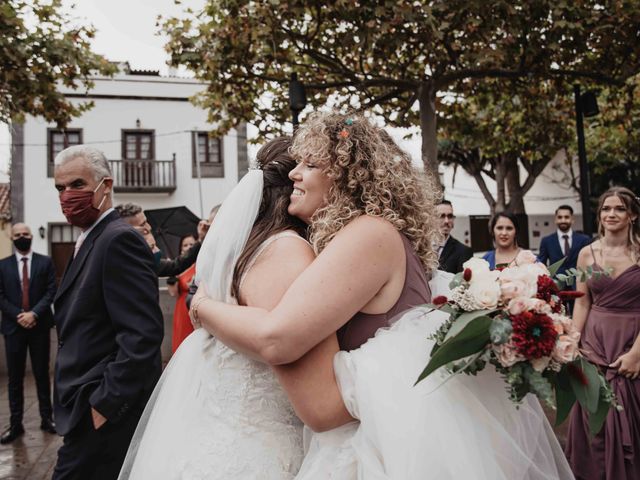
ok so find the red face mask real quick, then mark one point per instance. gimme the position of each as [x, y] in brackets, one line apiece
[77, 207]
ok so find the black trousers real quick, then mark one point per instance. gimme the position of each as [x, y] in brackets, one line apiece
[90, 454]
[36, 341]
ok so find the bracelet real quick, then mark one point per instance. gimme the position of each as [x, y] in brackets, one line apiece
[194, 308]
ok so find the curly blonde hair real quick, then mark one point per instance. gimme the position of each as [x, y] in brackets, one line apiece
[372, 176]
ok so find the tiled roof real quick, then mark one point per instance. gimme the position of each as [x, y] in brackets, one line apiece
[5, 201]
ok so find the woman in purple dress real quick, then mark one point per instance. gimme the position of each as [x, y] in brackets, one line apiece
[609, 317]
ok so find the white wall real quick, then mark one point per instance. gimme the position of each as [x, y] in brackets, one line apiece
[101, 127]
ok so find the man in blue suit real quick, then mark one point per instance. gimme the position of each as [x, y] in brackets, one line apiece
[27, 287]
[108, 320]
[564, 242]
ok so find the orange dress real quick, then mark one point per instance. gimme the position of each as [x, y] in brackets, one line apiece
[181, 322]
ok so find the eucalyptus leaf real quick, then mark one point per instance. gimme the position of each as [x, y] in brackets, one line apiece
[472, 339]
[553, 269]
[597, 418]
[464, 319]
[588, 394]
[565, 398]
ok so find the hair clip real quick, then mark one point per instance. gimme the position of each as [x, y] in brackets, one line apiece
[349, 121]
[343, 133]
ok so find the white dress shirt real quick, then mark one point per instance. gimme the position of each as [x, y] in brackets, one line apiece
[561, 235]
[19, 257]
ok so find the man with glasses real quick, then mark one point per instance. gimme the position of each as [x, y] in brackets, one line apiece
[451, 252]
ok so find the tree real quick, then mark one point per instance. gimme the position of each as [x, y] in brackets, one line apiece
[389, 56]
[497, 130]
[39, 49]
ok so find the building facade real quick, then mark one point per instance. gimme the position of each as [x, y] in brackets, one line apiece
[157, 144]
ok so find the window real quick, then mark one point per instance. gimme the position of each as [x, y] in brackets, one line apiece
[138, 145]
[57, 141]
[62, 241]
[207, 151]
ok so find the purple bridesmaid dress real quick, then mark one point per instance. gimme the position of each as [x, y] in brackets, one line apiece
[612, 326]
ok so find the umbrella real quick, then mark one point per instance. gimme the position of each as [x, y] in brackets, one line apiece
[169, 225]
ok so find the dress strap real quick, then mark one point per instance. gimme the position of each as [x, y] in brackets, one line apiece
[593, 254]
[263, 246]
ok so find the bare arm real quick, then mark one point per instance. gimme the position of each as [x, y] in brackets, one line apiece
[309, 382]
[346, 276]
[583, 304]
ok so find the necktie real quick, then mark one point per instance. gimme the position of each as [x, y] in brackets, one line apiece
[76, 249]
[25, 285]
[567, 247]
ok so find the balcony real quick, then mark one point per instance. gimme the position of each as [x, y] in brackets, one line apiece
[144, 176]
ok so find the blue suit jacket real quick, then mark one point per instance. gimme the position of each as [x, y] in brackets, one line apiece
[42, 288]
[551, 251]
[109, 326]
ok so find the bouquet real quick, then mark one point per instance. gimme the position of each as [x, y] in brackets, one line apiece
[515, 320]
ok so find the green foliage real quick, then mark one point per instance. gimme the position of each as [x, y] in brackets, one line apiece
[386, 56]
[539, 385]
[37, 58]
[500, 330]
[572, 274]
[469, 341]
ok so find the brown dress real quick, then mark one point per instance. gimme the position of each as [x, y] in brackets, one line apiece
[612, 326]
[415, 291]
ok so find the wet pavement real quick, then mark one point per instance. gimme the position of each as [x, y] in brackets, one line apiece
[33, 455]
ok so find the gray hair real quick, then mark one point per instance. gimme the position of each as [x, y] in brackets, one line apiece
[127, 210]
[94, 157]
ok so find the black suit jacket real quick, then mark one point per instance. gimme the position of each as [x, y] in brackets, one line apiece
[453, 255]
[109, 326]
[42, 288]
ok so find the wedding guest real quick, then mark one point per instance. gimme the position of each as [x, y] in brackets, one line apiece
[27, 287]
[504, 231]
[134, 216]
[564, 242]
[452, 253]
[609, 317]
[108, 320]
[179, 287]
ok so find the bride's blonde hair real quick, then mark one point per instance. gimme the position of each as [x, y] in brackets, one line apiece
[371, 175]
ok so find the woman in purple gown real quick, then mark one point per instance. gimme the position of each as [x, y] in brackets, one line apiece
[609, 318]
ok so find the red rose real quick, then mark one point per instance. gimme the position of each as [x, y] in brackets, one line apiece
[570, 294]
[440, 300]
[467, 274]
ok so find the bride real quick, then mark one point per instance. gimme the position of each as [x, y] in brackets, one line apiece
[216, 414]
[371, 222]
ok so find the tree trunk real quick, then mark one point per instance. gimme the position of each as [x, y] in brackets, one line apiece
[516, 196]
[500, 204]
[428, 127]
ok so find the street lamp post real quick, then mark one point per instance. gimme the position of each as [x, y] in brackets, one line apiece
[586, 106]
[297, 98]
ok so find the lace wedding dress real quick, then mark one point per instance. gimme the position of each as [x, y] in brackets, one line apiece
[216, 414]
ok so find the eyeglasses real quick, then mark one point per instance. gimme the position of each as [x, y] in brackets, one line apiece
[21, 234]
[449, 216]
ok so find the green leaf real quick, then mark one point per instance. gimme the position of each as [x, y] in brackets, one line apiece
[463, 320]
[588, 394]
[472, 339]
[565, 398]
[554, 268]
[597, 418]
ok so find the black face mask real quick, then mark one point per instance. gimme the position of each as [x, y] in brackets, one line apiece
[23, 244]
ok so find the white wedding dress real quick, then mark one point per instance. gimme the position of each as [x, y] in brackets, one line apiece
[216, 414]
[444, 428]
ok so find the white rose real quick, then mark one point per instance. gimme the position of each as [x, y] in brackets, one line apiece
[518, 282]
[476, 265]
[517, 305]
[485, 291]
[539, 306]
[566, 349]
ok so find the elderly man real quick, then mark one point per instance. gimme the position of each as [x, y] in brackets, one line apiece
[108, 320]
[452, 253]
[27, 287]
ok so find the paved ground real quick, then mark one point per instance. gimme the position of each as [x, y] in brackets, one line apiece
[33, 455]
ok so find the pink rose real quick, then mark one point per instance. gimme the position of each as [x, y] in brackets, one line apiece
[525, 257]
[517, 305]
[512, 289]
[566, 349]
[507, 354]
